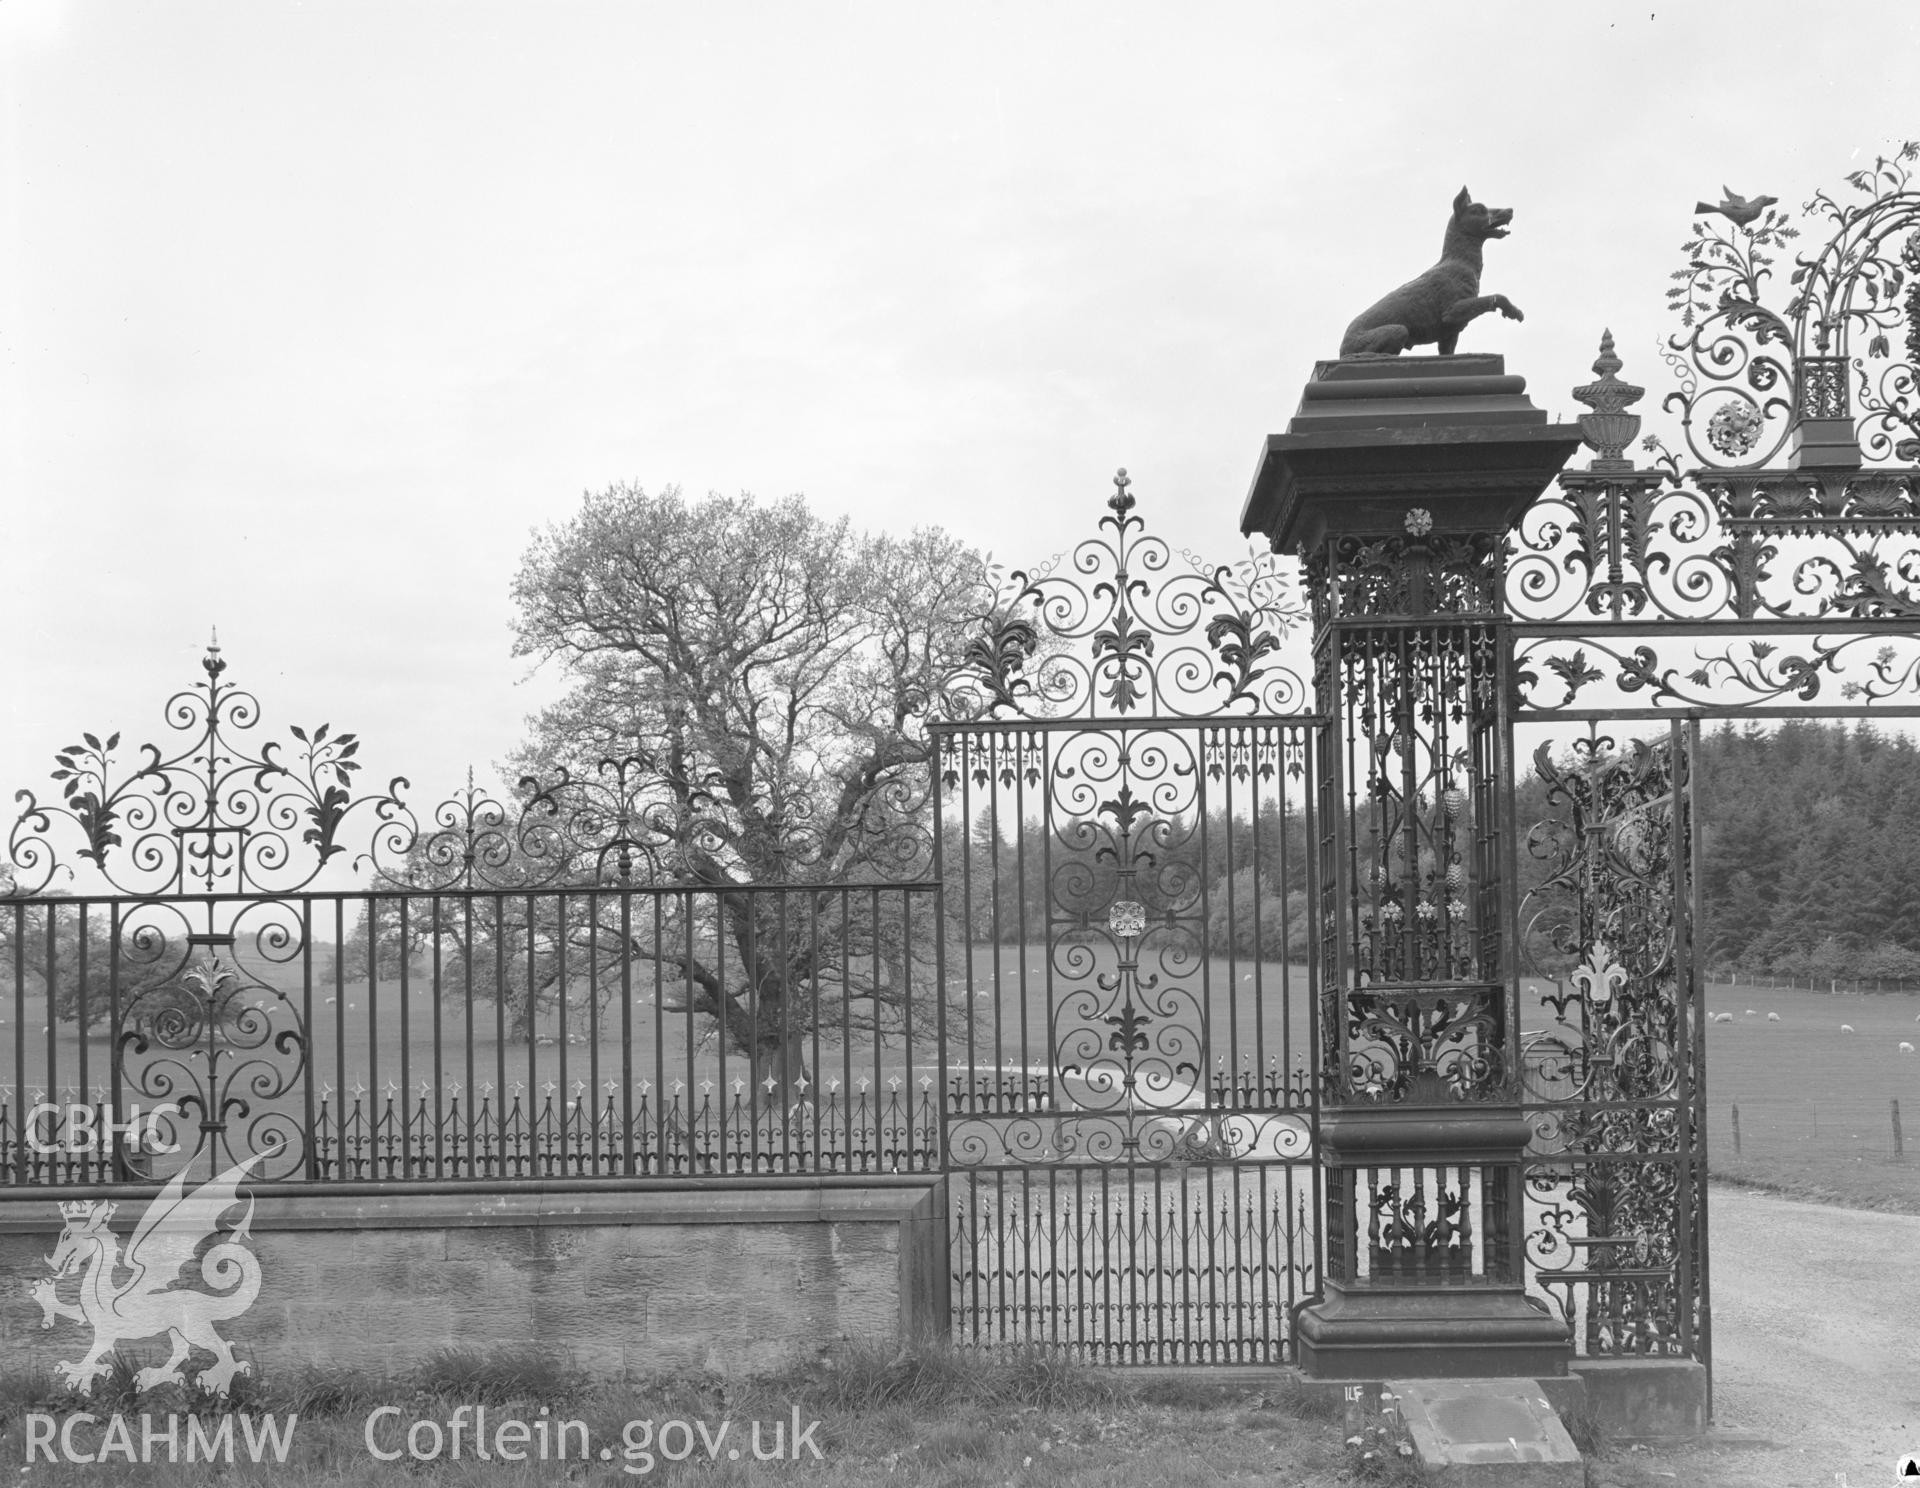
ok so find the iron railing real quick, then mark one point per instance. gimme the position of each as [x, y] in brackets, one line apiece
[565, 1032]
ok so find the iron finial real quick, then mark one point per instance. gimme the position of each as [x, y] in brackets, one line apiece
[1122, 499]
[1609, 429]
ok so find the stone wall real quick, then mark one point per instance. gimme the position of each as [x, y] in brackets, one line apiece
[630, 1280]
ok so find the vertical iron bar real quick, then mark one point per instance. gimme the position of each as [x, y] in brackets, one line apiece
[373, 1030]
[995, 936]
[469, 1124]
[436, 907]
[53, 1021]
[597, 1154]
[879, 1131]
[340, 1026]
[1261, 1052]
[846, 1031]
[626, 1024]
[1321, 776]
[500, 1027]
[686, 1027]
[406, 1038]
[969, 745]
[754, 977]
[1049, 925]
[661, 1164]
[563, 1023]
[115, 1086]
[818, 1100]
[1679, 829]
[942, 995]
[83, 1094]
[1503, 811]
[906, 1000]
[307, 1133]
[1699, 1094]
[539, 1127]
[1223, 735]
[780, 1159]
[19, 1091]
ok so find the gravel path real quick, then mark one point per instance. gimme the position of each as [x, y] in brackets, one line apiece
[1816, 1323]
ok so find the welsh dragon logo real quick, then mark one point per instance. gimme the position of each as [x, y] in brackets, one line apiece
[134, 1298]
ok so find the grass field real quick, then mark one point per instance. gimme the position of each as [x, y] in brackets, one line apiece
[1816, 1104]
[1257, 1015]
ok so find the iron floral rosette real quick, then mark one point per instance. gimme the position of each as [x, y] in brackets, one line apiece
[1784, 390]
[1843, 347]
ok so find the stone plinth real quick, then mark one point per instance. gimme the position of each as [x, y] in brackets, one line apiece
[626, 1281]
[1455, 435]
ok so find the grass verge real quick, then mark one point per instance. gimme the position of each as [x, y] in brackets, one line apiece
[1822, 1182]
[933, 1416]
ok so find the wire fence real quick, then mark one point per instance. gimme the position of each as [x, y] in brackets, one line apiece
[1820, 1128]
[1845, 986]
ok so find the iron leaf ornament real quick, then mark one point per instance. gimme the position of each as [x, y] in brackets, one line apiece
[1118, 629]
[1791, 501]
[212, 816]
[1749, 373]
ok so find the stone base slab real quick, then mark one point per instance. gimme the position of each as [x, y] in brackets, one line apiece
[1501, 1433]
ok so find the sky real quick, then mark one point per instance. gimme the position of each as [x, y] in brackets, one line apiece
[311, 314]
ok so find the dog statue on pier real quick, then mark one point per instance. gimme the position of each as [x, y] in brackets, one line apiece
[1437, 306]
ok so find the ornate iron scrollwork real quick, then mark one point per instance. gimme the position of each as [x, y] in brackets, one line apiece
[1126, 633]
[1635, 589]
[1422, 573]
[1606, 1078]
[211, 817]
[1750, 375]
[1779, 529]
[228, 1051]
[1425, 1045]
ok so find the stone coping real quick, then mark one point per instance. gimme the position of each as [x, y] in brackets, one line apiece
[743, 1200]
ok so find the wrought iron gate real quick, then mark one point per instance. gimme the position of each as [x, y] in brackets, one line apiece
[1133, 831]
[1129, 1114]
[1614, 1060]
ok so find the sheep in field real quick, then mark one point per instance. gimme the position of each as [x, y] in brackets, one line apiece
[1906, 1048]
[1723, 1017]
[1846, 1028]
[1773, 1017]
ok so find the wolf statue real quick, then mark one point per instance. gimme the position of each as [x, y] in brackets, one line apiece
[146, 1303]
[1437, 305]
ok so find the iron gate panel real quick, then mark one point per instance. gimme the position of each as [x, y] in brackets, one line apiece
[1614, 1062]
[1129, 1115]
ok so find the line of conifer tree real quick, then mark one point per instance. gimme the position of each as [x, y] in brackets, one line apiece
[1810, 853]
